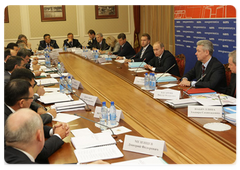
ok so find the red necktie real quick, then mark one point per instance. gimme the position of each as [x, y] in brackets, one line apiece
[203, 69]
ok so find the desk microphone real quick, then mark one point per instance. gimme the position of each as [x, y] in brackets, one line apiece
[224, 113]
[124, 62]
[113, 135]
[185, 92]
[166, 71]
[139, 67]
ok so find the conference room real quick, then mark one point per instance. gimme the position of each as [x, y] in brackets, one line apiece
[113, 85]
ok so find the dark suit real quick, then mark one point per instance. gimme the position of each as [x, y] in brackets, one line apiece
[6, 77]
[74, 43]
[103, 46]
[3, 65]
[231, 89]
[92, 43]
[215, 78]
[51, 145]
[163, 64]
[148, 54]
[43, 44]
[14, 156]
[126, 51]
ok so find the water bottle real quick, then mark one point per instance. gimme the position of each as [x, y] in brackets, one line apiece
[153, 81]
[104, 113]
[95, 55]
[112, 114]
[150, 81]
[61, 83]
[59, 67]
[65, 48]
[146, 81]
[47, 61]
[69, 80]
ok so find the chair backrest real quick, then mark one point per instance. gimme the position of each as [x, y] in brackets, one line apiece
[228, 73]
[181, 61]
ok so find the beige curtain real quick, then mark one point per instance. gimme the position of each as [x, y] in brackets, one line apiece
[158, 22]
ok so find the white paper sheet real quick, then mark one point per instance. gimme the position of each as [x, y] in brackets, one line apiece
[120, 61]
[97, 153]
[49, 98]
[81, 132]
[65, 118]
[151, 160]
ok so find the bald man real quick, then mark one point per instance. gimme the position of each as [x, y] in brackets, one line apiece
[24, 137]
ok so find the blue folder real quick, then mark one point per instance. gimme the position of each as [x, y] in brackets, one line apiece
[166, 79]
[136, 64]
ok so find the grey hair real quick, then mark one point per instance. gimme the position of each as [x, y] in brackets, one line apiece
[100, 34]
[207, 45]
[25, 133]
[233, 56]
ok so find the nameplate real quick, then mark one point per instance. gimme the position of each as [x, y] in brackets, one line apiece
[205, 111]
[76, 84]
[139, 81]
[101, 60]
[144, 145]
[119, 114]
[166, 94]
[89, 99]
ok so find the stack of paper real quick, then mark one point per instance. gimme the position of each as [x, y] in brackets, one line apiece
[213, 100]
[49, 98]
[181, 103]
[65, 118]
[231, 114]
[87, 141]
[199, 91]
[70, 106]
[81, 132]
[46, 81]
[58, 75]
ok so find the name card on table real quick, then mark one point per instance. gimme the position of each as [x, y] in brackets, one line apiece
[166, 94]
[205, 111]
[89, 99]
[139, 80]
[144, 145]
[119, 114]
[76, 84]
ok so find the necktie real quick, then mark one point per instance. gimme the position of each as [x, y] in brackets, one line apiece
[159, 60]
[203, 69]
[142, 52]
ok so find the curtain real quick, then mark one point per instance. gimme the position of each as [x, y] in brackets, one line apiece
[136, 12]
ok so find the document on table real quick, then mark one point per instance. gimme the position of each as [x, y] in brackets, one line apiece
[87, 141]
[65, 118]
[81, 132]
[117, 130]
[97, 153]
[69, 106]
[58, 75]
[120, 61]
[46, 81]
[213, 100]
[49, 98]
[151, 160]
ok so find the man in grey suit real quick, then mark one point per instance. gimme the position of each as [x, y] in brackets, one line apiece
[11, 64]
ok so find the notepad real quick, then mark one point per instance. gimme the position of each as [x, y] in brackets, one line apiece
[58, 75]
[87, 141]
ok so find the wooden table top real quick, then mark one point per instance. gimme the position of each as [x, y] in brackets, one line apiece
[187, 141]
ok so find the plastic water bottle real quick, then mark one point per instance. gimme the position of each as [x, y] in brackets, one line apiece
[95, 55]
[69, 80]
[65, 48]
[146, 81]
[61, 83]
[47, 61]
[150, 81]
[112, 114]
[104, 113]
[153, 81]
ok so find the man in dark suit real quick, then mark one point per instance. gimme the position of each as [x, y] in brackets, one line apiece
[162, 61]
[101, 43]
[18, 93]
[126, 51]
[92, 43]
[47, 43]
[215, 78]
[145, 53]
[12, 64]
[231, 89]
[5, 55]
[71, 42]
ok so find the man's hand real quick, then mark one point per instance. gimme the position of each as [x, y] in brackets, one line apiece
[148, 67]
[127, 60]
[62, 129]
[119, 58]
[184, 82]
[40, 91]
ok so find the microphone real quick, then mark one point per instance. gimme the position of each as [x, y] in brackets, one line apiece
[139, 67]
[224, 113]
[166, 71]
[185, 92]
[124, 62]
[113, 135]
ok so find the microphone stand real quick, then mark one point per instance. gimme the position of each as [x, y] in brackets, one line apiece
[224, 113]
[113, 135]
[135, 74]
[185, 92]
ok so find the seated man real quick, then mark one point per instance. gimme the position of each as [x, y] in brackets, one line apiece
[18, 93]
[47, 43]
[24, 137]
[12, 64]
[25, 54]
[71, 42]
[126, 51]
[231, 89]
[215, 78]
[162, 61]
[5, 56]
[146, 51]
[92, 43]
[101, 43]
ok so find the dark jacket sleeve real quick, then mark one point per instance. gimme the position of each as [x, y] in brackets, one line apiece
[169, 60]
[42, 45]
[191, 74]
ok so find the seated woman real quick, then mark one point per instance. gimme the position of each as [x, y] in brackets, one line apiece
[114, 45]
